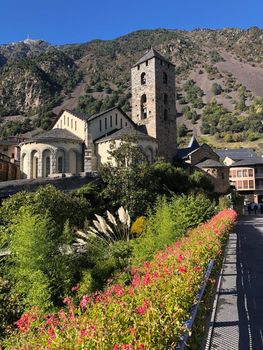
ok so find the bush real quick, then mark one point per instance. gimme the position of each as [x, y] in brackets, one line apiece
[40, 272]
[216, 89]
[138, 226]
[157, 302]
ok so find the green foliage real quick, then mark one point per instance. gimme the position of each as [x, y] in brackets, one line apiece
[201, 182]
[216, 89]
[215, 57]
[61, 206]
[182, 130]
[223, 203]
[193, 94]
[40, 272]
[169, 221]
[129, 183]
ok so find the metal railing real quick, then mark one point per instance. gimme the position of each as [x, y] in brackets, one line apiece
[189, 323]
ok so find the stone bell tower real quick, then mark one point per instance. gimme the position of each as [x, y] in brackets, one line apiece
[154, 100]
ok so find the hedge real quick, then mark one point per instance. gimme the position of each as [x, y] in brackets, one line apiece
[148, 313]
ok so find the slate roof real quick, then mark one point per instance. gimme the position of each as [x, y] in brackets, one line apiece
[121, 133]
[151, 54]
[236, 154]
[109, 110]
[55, 134]
[192, 146]
[79, 115]
[248, 162]
[210, 163]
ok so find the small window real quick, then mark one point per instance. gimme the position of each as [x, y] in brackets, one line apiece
[75, 125]
[234, 174]
[143, 78]
[165, 114]
[138, 67]
[116, 119]
[126, 124]
[64, 120]
[239, 173]
[106, 124]
[239, 184]
[165, 99]
[67, 121]
[222, 176]
[251, 184]
[165, 78]
[250, 172]
[100, 125]
[161, 62]
[245, 184]
[146, 63]
[111, 121]
[245, 173]
[71, 123]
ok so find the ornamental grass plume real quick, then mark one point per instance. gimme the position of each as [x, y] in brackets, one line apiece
[108, 230]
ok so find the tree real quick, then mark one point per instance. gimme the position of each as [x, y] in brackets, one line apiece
[131, 183]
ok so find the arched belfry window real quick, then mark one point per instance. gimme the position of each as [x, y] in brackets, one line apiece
[165, 114]
[165, 78]
[143, 78]
[165, 99]
[143, 107]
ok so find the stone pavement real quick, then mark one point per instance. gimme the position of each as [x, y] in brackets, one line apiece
[238, 321]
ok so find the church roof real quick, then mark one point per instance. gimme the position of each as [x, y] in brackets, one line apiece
[192, 146]
[248, 162]
[193, 143]
[152, 54]
[54, 135]
[210, 163]
[77, 114]
[109, 110]
[121, 133]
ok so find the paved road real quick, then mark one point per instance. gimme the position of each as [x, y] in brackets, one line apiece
[239, 314]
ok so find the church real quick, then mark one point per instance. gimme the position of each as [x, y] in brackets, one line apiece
[79, 143]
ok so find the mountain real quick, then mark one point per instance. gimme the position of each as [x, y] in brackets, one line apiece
[225, 66]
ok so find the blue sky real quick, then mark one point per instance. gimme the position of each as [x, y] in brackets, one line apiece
[73, 21]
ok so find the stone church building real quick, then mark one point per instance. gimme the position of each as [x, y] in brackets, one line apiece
[80, 143]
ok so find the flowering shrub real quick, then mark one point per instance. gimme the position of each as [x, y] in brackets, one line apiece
[147, 314]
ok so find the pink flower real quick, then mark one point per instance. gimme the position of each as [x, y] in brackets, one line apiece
[197, 268]
[146, 279]
[75, 288]
[136, 280]
[180, 258]
[182, 269]
[84, 301]
[116, 347]
[141, 309]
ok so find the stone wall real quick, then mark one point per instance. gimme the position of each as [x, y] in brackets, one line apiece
[158, 124]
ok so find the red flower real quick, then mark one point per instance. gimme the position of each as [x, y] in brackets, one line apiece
[146, 279]
[136, 280]
[182, 269]
[84, 301]
[116, 347]
[141, 309]
[197, 268]
[180, 258]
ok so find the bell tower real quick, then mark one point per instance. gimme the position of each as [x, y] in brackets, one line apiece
[154, 100]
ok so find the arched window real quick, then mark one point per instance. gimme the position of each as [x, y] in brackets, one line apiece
[47, 166]
[60, 164]
[165, 78]
[143, 78]
[165, 99]
[143, 107]
[165, 114]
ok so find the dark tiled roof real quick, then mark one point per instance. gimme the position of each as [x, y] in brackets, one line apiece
[121, 133]
[193, 143]
[77, 114]
[151, 54]
[236, 154]
[192, 146]
[248, 162]
[210, 163]
[109, 110]
[55, 134]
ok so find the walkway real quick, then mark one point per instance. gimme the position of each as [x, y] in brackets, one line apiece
[238, 322]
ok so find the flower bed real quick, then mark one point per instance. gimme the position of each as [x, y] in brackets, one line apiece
[147, 314]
